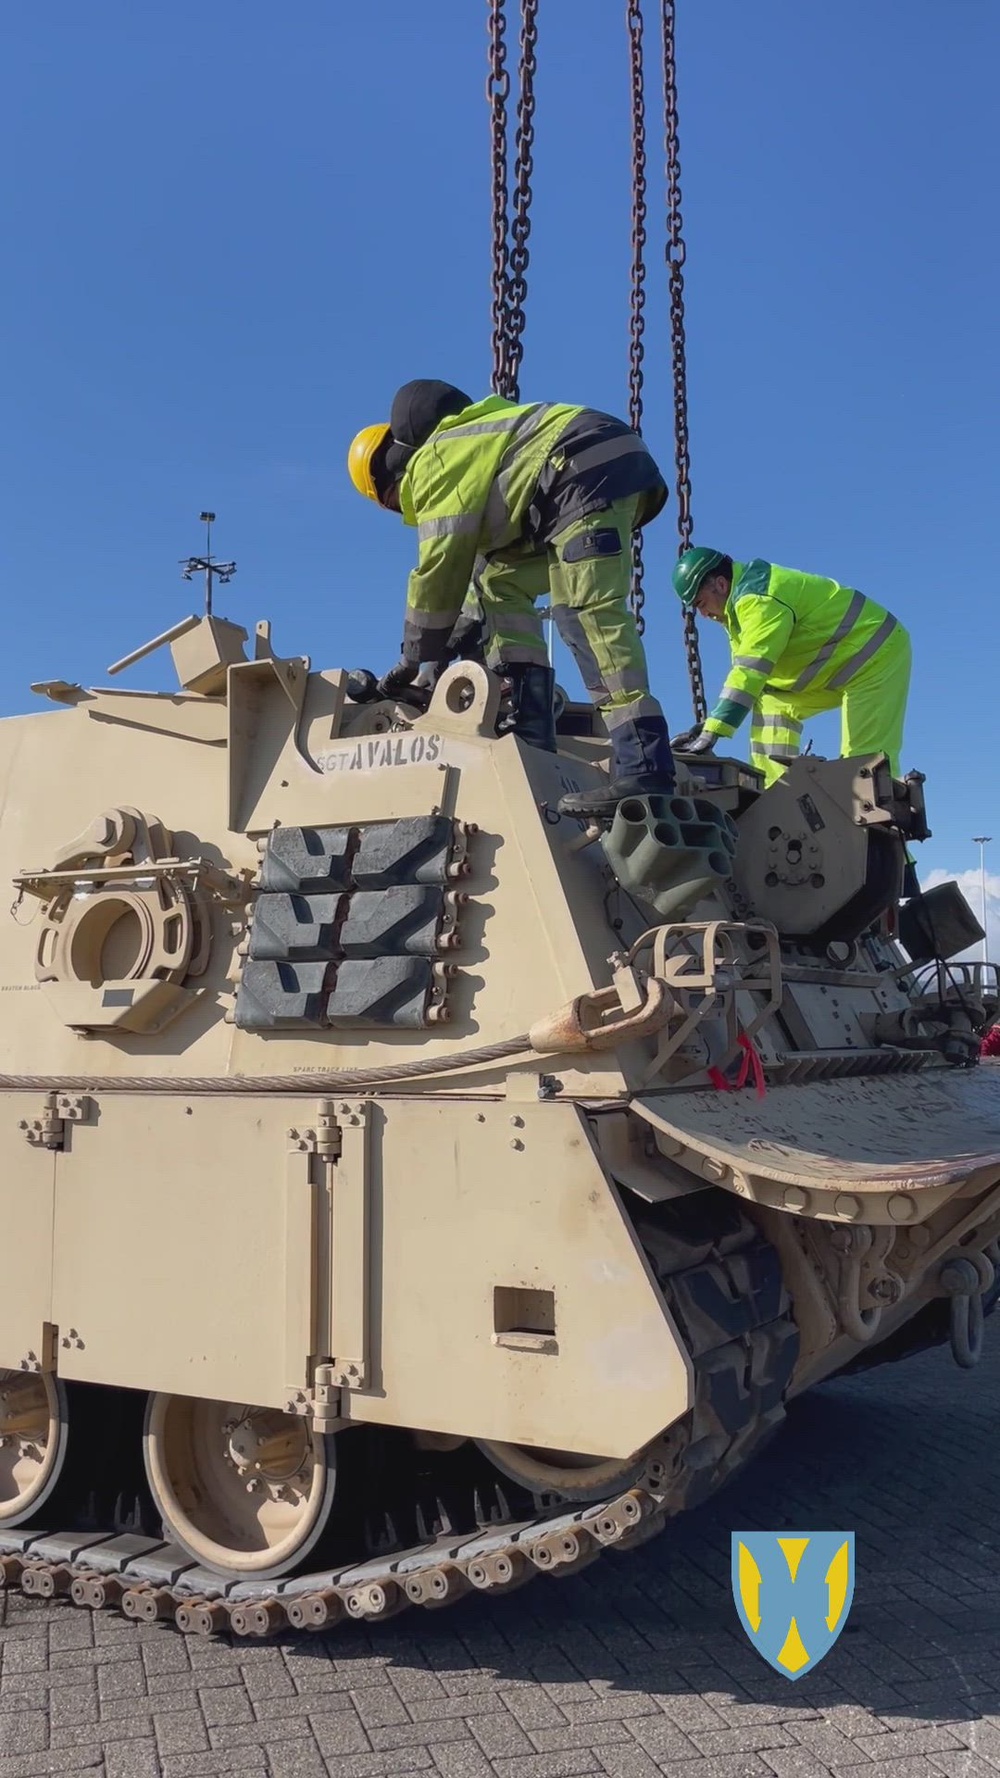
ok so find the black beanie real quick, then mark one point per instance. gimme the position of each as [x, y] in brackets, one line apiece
[417, 409]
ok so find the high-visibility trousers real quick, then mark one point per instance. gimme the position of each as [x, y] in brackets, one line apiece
[585, 570]
[872, 711]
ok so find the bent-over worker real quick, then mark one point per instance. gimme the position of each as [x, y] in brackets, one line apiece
[518, 501]
[800, 644]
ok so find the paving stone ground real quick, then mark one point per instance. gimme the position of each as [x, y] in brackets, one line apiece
[637, 1667]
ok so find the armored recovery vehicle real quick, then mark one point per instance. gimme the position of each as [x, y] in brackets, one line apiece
[407, 1190]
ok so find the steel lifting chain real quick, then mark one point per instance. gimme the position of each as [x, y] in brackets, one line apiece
[524, 167]
[498, 92]
[637, 317]
[675, 254]
[510, 235]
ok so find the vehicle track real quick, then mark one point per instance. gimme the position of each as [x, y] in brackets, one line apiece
[722, 1284]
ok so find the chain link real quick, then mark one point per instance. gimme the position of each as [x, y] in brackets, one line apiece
[510, 232]
[524, 167]
[637, 306]
[675, 255]
[498, 92]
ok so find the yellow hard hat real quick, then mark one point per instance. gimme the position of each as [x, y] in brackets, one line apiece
[361, 456]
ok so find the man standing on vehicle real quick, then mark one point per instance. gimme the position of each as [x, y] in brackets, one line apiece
[800, 644]
[520, 501]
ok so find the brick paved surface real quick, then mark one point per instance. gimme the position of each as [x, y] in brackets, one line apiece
[636, 1667]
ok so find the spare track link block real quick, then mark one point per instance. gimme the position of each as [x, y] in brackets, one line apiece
[281, 994]
[415, 849]
[348, 925]
[300, 860]
[399, 921]
[381, 991]
[295, 928]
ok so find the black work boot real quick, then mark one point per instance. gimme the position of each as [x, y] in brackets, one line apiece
[598, 803]
[533, 702]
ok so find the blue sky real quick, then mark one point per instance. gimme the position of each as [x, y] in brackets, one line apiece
[230, 232]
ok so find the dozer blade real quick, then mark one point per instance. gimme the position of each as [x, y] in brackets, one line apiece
[841, 1148]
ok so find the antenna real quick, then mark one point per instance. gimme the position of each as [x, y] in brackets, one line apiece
[211, 569]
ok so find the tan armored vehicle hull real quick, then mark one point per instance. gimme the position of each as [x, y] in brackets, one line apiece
[410, 1190]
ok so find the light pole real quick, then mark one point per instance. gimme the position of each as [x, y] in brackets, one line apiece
[982, 840]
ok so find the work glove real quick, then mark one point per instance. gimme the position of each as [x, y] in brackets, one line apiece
[696, 741]
[397, 679]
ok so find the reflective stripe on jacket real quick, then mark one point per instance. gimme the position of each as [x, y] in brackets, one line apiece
[471, 490]
[792, 633]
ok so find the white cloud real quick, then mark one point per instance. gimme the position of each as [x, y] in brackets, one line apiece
[970, 883]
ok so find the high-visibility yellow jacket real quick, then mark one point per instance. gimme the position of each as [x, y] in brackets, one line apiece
[792, 634]
[496, 473]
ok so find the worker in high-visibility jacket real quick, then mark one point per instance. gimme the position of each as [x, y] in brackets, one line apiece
[517, 501]
[800, 645]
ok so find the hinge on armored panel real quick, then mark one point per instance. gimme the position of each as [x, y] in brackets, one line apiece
[350, 1188]
[306, 1221]
[45, 1359]
[326, 1400]
[58, 1110]
[329, 1184]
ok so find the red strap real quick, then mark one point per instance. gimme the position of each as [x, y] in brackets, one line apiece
[751, 1060]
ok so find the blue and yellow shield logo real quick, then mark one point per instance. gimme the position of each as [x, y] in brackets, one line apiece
[793, 1594]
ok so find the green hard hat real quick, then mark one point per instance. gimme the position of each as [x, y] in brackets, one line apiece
[690, 570]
